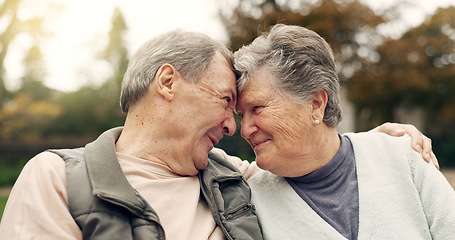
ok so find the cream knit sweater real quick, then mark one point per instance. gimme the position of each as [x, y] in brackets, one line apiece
[400, 197]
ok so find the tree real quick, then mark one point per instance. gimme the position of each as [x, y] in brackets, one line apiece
[115, 51]
[22, 118]
[8, 13]
[15, 26]
[116, 54]
[348, 25]
[92, 110]
[24, 112]
[32, 81]
[413, 72]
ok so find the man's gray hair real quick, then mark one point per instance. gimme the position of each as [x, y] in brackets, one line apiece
[301, 62]
[190, 53]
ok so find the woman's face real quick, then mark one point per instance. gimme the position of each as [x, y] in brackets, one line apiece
[278, 129]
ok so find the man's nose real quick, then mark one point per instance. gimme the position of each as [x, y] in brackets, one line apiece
[229, 125]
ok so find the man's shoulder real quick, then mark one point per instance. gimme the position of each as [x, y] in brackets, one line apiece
[47, 160]
[45, 166]
[65, 154]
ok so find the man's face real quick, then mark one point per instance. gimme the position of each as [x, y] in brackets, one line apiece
[206, 114]
[277, 128]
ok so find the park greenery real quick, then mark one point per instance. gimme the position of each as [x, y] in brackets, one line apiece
[380, 74]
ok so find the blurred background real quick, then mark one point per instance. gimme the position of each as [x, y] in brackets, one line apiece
[62, 61]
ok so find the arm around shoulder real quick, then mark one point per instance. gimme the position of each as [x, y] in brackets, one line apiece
[246, 168]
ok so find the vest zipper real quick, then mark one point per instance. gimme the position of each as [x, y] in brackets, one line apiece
[239, 211]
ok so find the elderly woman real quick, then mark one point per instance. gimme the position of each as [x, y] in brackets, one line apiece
[320, 184]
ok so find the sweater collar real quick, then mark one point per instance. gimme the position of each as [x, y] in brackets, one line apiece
[333, 169]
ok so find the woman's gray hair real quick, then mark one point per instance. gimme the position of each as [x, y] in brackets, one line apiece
[301, 63]
[190, 53]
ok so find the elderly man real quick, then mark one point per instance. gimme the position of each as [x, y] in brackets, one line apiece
[155, 178]
[144, 181]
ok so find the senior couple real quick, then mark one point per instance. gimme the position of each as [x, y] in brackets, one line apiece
[160, 177]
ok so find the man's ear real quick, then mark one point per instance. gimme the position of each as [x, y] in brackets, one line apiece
[164, 79]
[319, 103]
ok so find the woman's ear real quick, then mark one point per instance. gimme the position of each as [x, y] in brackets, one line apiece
[164, 80]
[319, 103]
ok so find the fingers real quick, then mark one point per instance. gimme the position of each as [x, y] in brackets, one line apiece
[419, 142]
[393, 129]
[434, 160]
[422, 144]
[426, 148]
[397, 130]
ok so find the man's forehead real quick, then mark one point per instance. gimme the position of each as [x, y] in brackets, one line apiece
[231, 89]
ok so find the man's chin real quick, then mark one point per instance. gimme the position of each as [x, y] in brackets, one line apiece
[201, 164]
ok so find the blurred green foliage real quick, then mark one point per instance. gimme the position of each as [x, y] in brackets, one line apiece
[34, 117]
[3, 200]
[10, 167]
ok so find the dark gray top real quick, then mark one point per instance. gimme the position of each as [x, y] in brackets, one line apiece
[332, 191]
